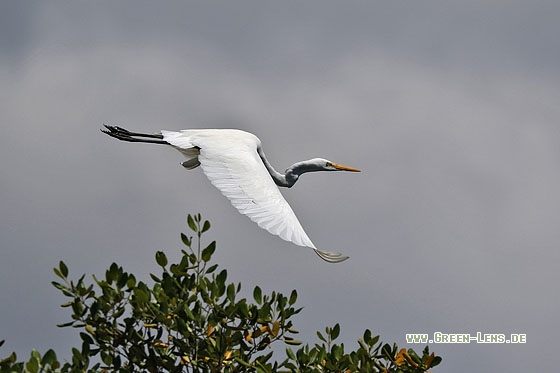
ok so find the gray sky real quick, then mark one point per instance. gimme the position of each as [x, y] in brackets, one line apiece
[450, 110]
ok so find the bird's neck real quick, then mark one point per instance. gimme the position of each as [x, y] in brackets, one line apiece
[284, 180]
[287, 179]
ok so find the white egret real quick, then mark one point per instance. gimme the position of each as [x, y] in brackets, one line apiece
[234, 162]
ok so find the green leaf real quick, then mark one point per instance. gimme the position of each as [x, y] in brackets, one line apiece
[49, 358]
[66, 324]
[106, 358]
[131, 282]
[386, 350]
[112, 273]
[86, 338]
[77, 354]
[313, 355]
[206, 226]
[335, 332]
[244, 363]
[290, 353]
[231, 292]
[63, 269]
[186, 240]
[59, 286]
[337, 351]
[293, 297]
[374, 341]
[243, 309]
[257, 295]
[141, 296]
[221, 278]
[57, 272]
[32, 365]
[292, 342]
[208, 251]
[362, 344]
[161, 259]
[192, 224]
[10, 359]
[211, 268]
[367, 337]
[414, 356]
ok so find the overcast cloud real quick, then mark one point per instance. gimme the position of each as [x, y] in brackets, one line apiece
[451, 110]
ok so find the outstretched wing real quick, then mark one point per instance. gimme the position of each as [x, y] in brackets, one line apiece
[230, 160]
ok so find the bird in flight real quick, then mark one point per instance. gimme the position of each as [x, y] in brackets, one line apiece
[234, 162]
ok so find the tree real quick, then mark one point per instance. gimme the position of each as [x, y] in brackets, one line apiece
[190, 319]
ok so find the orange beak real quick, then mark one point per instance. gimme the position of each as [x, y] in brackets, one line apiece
[344, 168]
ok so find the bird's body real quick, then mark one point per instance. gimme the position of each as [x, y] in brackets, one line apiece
[234, 162]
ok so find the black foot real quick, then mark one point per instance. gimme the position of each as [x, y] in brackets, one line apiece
[125, 135]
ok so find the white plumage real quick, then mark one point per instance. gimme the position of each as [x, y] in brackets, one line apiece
[234, 163]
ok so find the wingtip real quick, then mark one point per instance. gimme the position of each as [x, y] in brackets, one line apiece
[330, 256]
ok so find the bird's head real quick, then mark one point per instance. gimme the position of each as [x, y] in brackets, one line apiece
[319, 164]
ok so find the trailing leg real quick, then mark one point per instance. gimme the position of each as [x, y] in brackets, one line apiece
[125, 135]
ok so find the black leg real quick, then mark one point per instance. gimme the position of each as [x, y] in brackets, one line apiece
[125, 135]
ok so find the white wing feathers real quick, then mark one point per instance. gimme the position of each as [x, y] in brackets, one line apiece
[230, 160]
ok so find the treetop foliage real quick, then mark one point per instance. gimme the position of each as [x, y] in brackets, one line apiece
[190, 319]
